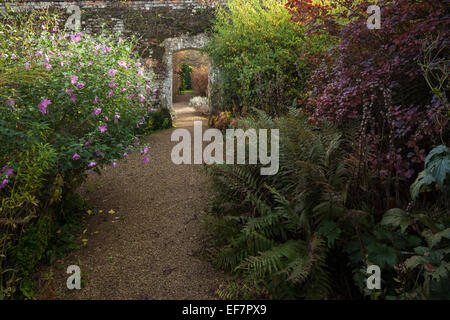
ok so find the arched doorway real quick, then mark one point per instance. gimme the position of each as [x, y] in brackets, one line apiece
[172, 46]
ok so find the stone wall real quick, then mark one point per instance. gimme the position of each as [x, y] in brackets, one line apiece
[151, 22]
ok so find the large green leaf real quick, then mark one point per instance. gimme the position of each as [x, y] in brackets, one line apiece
[329, 230]
[435, 238]
[381, 255]
[396, 218]
[437, 167]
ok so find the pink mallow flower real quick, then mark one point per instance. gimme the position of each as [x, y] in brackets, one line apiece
[145, 151]
[123, 64]
[4, 183]
[112, 72]
[92, 164]
[75, 37]
[146, 160]
[73, 79]
[76, 156]
[102, 128]
[97, 111]
[43, 106]
[7, 171]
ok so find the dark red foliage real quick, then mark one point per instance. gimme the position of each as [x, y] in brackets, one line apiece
[373, 77]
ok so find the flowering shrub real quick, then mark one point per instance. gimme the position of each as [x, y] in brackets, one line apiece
[200, 104]
[224, 120]
[68, 103]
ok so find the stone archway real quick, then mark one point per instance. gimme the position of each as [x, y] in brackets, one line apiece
[173, 45]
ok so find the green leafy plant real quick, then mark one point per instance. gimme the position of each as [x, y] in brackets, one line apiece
[437, 170]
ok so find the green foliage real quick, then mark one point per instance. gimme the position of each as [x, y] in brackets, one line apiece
[437, 170]
[68, 103]
[185, 76]
[261, 55]
[266, 227]
[306, 233]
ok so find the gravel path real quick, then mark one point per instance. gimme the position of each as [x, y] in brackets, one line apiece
[149, 248]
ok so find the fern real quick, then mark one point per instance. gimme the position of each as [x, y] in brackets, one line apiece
[271, 222]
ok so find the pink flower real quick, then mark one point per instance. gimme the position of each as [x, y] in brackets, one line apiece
[96, 100]
[145, 151]
[123, 64]
[112, 84]
[141, 72]
[76, 156]
[146, 160]
[10, 102]
[111, 93]
[43, 105]
[141, 96]
[112, 72]
[75, 37]
[125, 155]
[92, 164]
[97, 111]
[102, 128]
[154, 90]
[113, 164]
[73, 79]
[48, 66]
[80, 85]
[73, 97]
[7, 171]
[4, 183]
[117, 116]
